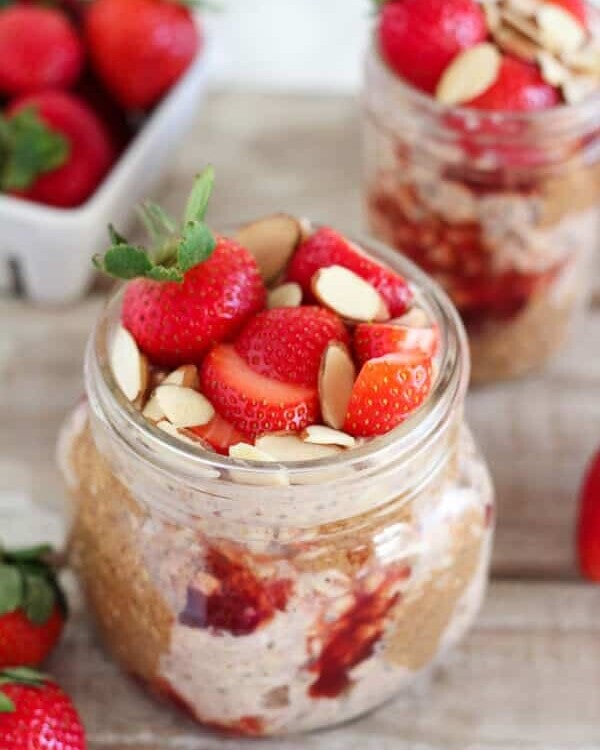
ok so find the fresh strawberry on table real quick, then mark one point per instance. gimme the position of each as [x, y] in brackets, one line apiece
[287, 343]
[35, 714]
[32, 607]
[39, 49]
[53, 149]
[588, 532]
[140, 48]
[419, 38]
[326, 247]
[191, 290]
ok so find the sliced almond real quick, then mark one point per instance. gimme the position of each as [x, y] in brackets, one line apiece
[515, 43]
[553, 72]
[290, 448]
[271, 241]
[578, 88]
[171, 430]
[492, 15]
[152, 411]
[585, 60]
[322, 435]
[128, 365]
[349, 295]
[184, 407]
[185, 376]
[286, 295]
[470, 74]
[560, 31]
[336, 380]
[248, 452]
[527, 8]
[416, 317]
[521, 23]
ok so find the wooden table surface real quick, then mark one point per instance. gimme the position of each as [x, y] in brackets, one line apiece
[529, 675]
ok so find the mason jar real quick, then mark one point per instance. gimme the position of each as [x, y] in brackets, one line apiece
[502, 209]
[270, 598]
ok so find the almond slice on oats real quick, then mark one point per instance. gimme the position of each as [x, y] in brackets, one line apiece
[152, 410]
[336, 380]
[271, 241]
[293, 448]
[470, 74]
[185, 376]
[322, 435]
[129, 366]
[248, 452]
[348, 295]
[559, 30]
[286, 295]
[553, 72]
[184, 407]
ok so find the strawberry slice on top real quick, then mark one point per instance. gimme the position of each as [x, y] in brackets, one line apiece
[326, 248]
[191, 290]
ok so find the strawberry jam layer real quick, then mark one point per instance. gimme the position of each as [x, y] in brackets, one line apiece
[235, 600]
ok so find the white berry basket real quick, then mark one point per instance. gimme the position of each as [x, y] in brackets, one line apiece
[48, 249]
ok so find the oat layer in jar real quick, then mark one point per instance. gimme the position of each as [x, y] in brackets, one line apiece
[268, 598]
[502, 208]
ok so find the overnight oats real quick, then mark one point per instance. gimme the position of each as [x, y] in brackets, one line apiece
[482, 137]
[281, 518]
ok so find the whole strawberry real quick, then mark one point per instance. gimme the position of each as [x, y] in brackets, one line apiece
[35, 714]
[53, 149]
[32, 607]
[39, 49]
[419, 38]
[194, 289]
[140, 48]
[588, 532]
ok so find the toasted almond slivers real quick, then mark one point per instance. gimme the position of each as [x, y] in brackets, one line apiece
[349, 295]
[516, 43]
[184, 407]
[293, 448]
[470, 74]
[553, 72]
[526, 26]
[248, 452]
[559, 30]
[185, 376]
[322, 435]
[271, 241]
[336, 380]
[128, 365]
[286, 295]
[416, 317]
[152, 410]
[578, 88]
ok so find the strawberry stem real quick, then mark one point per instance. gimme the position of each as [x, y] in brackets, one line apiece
[18, 676]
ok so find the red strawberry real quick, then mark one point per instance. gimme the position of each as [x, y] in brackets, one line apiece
[140, 48]
[39, 49]
[519, 88]
[287, 343]
[35, 714]
[195, 290]
[327, 247]
[386, 392]
[253, 403]
[58, 149]
[372, 340]
[32, 608]
[419, 38]
[588, 533]
[576, 8]
[220, 434]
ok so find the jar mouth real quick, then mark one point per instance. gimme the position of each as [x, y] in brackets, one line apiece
[449, 389]
[566, 120]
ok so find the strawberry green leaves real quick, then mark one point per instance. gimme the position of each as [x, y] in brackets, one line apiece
[18, 676]
[174, 251]
[28, 149]
[28, 583]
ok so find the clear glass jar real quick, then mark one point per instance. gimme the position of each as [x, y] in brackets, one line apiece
[268, 598]
[502, 209]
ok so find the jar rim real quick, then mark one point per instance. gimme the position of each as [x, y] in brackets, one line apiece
[448, 391]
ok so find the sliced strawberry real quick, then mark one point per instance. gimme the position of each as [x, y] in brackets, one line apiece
[518, 88]
[386, 392]
[253, 403]
[327, 247]
[372, 340]
[220, 434]
[419, 38]
[287, 343]
[588, 533]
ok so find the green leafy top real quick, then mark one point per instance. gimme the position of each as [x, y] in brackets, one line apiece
[28, 149]
[28, 582]
[174, 249]
[18, 676]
